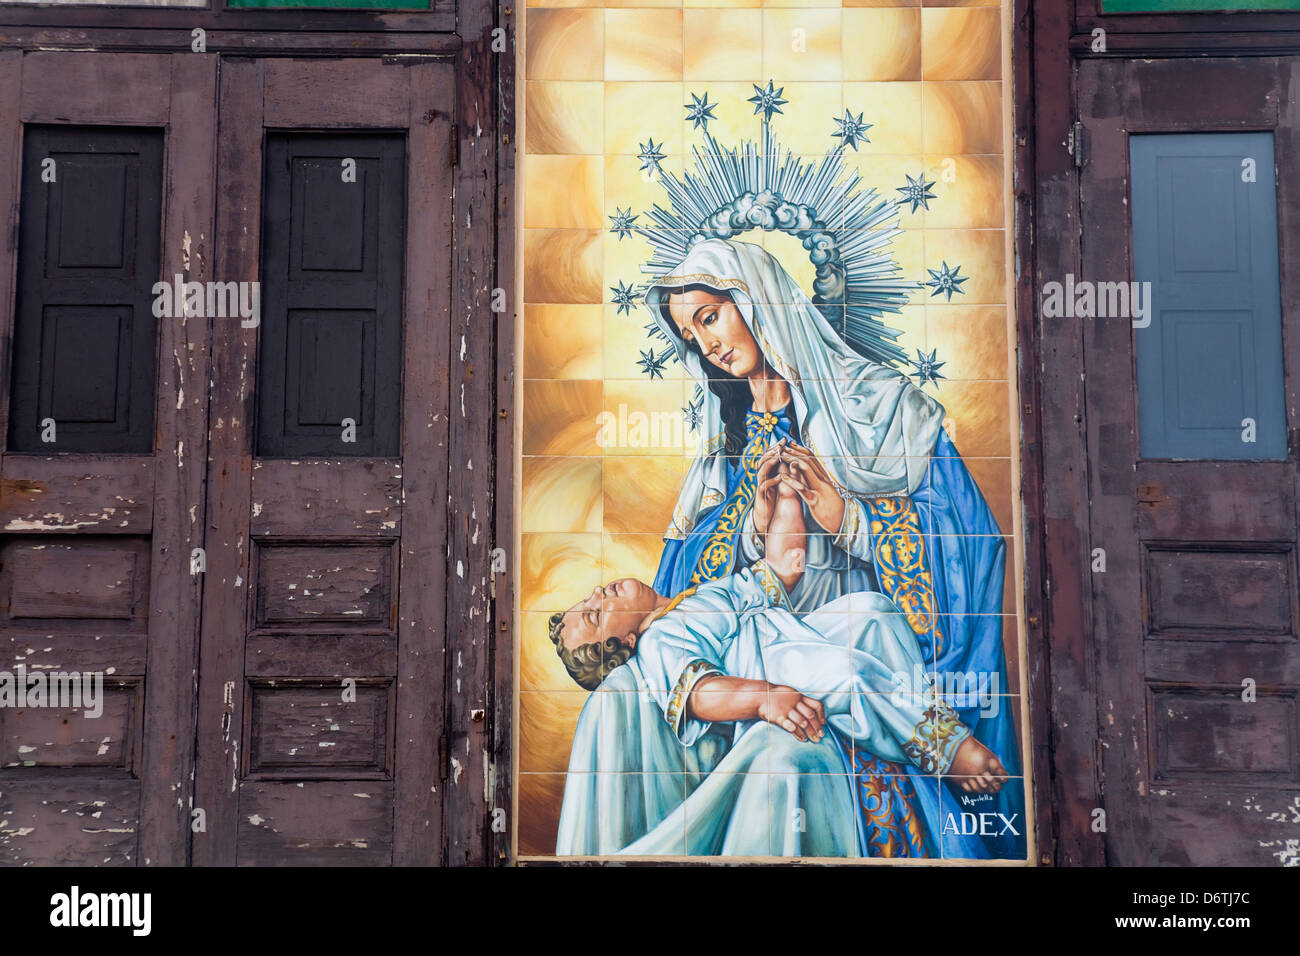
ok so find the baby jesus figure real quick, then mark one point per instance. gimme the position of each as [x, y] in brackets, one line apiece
[731, 651]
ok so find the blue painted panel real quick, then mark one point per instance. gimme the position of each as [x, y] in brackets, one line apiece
[1205, 237]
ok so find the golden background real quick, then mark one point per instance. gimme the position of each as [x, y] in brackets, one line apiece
[601, 78]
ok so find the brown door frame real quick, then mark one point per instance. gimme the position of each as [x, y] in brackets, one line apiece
[170, 89]
[1063, 683]
[1129, 507]
[479, 615]
[262, 94]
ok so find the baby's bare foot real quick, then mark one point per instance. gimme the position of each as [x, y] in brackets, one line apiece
[977, 768]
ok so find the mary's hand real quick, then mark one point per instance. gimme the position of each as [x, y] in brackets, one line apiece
[813, 484]
[765, 494]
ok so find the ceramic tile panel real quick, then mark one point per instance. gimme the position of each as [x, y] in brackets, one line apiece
[826, 185]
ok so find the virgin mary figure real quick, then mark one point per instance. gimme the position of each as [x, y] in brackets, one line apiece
[898, 514]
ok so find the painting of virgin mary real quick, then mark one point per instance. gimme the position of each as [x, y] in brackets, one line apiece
[898, 514]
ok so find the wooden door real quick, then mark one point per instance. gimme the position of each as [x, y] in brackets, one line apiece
[322, 647]
[103, 413]
[1191, 181]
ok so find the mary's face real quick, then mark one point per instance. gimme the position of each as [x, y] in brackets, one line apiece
[714, 323]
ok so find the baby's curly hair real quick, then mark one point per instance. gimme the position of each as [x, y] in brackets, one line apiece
[591, 663]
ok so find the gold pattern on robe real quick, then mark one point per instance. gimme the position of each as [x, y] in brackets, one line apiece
[770, 583]
[935, 739]
[715, 561]
[902, 567]
[887, 798]
[691, 675]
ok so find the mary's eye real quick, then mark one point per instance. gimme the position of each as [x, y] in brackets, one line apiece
[711, 317]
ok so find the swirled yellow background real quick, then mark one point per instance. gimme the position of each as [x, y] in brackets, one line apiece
[601, 77]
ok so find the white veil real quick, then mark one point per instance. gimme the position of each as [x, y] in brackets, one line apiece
[873, 430]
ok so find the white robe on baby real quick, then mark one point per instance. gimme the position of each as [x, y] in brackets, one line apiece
[748, 788]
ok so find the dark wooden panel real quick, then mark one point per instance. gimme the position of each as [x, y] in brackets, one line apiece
[77, 392]
[316, 823]
[271, 655]
[1212, 731]
[1225, 662]
[1206, 503]
[106, 187]
[1220, 594]
[52, 93]
[330, 374]
[81, 578]
[84, 334]
[71, 645]
[332, 586]
[1251, 827]
[377, 95]
[75, 737]
[299, 729]
[321, 498]
[67, 494]
[51, 820]
[331, 342]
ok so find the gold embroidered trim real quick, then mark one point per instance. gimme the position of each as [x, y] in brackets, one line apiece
[703, 277]
[851, 524]
[904, 572]
[716, 558]
[936, 738]
[690, 676]
[888, 801]
[771, 584]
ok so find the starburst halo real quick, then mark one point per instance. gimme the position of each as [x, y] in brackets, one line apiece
[763, 185]
[700, 112]
[927, 369]
[946, 281]
[623, 222]
[851, 130]
[917, 192]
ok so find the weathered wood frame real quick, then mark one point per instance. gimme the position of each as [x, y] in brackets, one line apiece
[1063, 675]
[1146, 96]
[475, 721]
[440, 17]
[53, 87]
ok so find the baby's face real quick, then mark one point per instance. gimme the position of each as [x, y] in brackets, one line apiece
[615, 610]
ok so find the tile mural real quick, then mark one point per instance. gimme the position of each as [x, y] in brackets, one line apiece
[769, 537]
